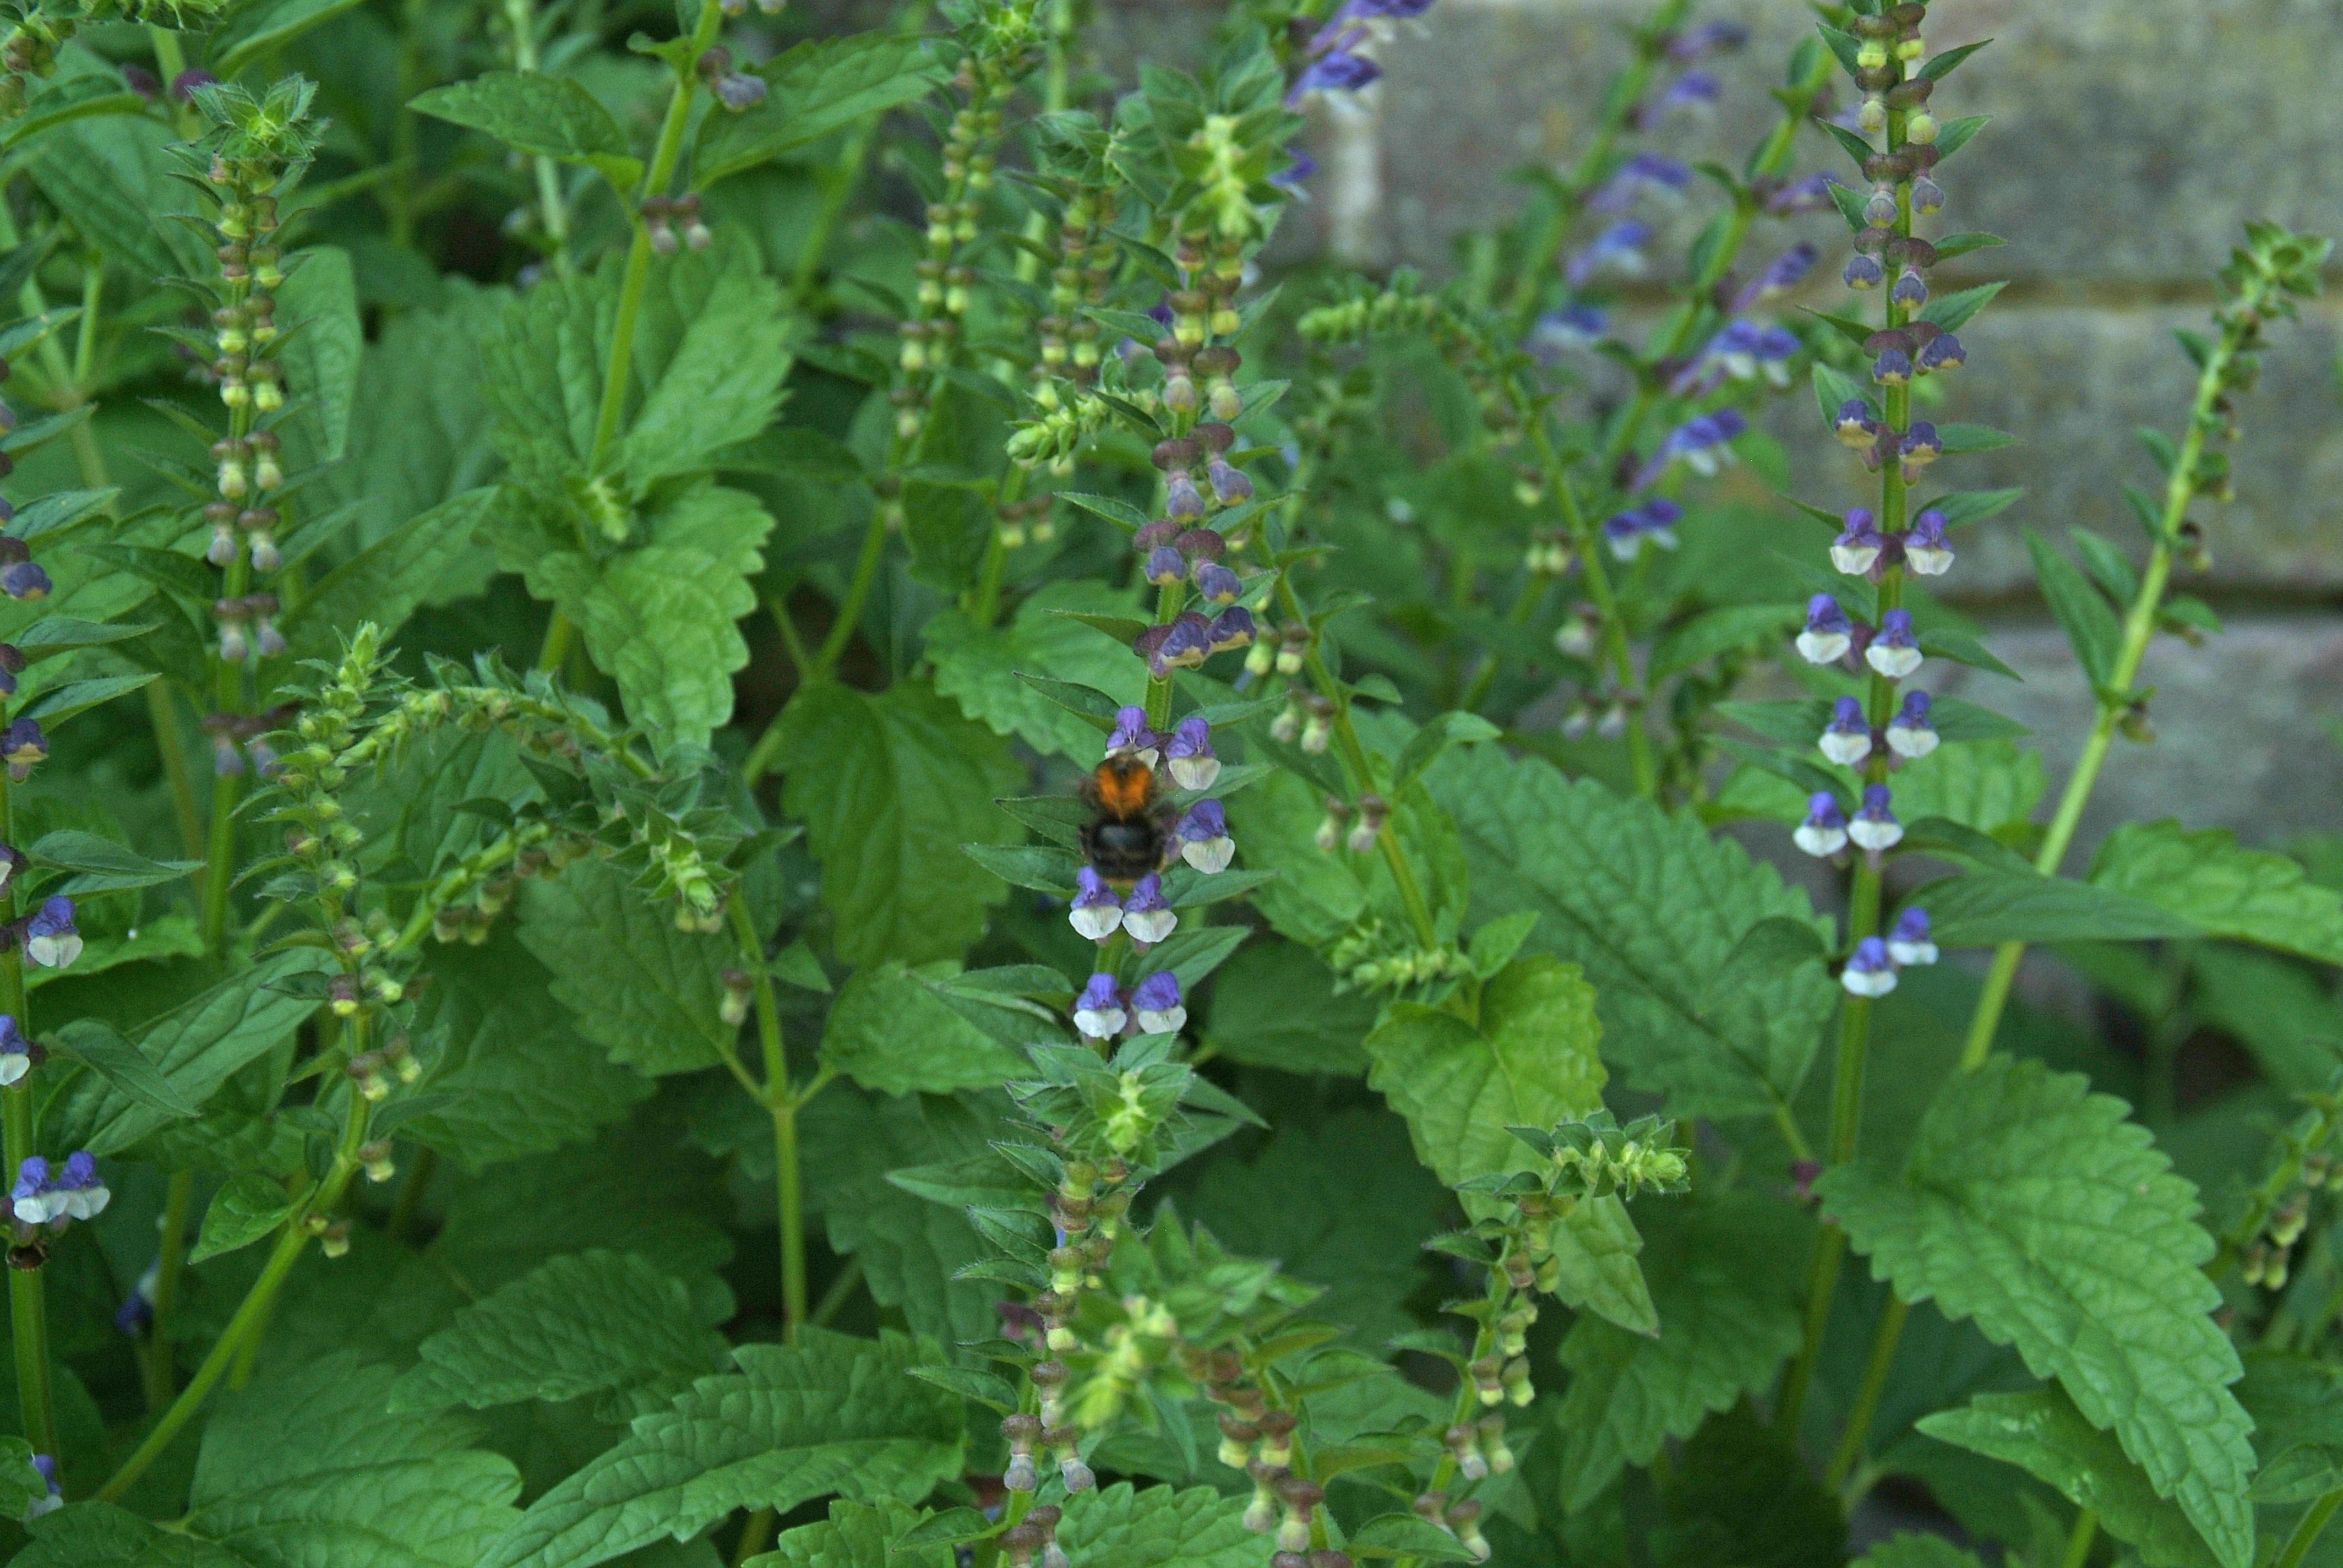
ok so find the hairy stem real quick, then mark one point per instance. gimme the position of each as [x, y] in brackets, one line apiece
[782, 1100]
[2078, 1545]
[2305, 1534]
[27, 1304]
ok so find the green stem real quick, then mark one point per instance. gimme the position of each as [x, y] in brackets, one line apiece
[410, 1194]
[840, 1292]
[1468, 1397]
[161, 1368]
[518, 15]
[1354, 754]
[27, 1304]
[1866, 1403]
[782, 1100]
[245, 1327]
[849, 608]
[754, 1537]
[2305, 1534]
[2078, 1545]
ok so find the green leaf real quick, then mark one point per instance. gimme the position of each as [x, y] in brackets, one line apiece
[912, 1248]
[1918, 1549]
[2296, 1404]
[982, 670]
[858, 1535]
[1722, 631]
[1406, 1535]
[1986, 908]
[196, 1046]
[1962, 648]
[651, 995]
[2214, 885]
[1960, 439]
[20, 1483]
[888, 788]
[1963, 507]
[1276, 1006]
[1740, 1494]
[1531, 1062]
[59, 703]
[1939, 66]
[521, 1076]
[100, 1535]
[890, 1032]
[321, 359]
[722, 383]
[113, 174]
[305, 1467]
[247, 1207]
[1198, 1528]
[59, 634]
[1340, 1202]
[2031, 1205]
[1834, 388]
[1728, 1318]
[1964, 845]
[252, 31]
[2280, 1010]
[388, 580]
[100, 1046]
[1773, 949]
[1954, 311]
[595, 1322]
[2089, 624]
[100, 864]
[815, 88]
[1955, 133]
[1426, 745]
[1952, 245]
[795, 1421]
[1649, 905]
[2043, 1433]
[1987, 786]
[660, 618]
[549, 116]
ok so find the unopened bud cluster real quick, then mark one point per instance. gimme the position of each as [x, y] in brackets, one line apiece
[2313, 1165]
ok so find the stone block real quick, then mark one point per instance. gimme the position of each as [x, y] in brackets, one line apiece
[2131, 137]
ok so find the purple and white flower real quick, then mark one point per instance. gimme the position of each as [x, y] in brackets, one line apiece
[16, 1051]
[1216, 583]
[1098, 1012]
[1233, 627]
[1875, 827]
[1829, 633]
[22, 745]
[1824, 832]
[1783, 274]
[1145, 915]
[50, 938]
[46, 1463]
[1895, 651]
[1188, 754]
[1846, 740]
[1204, 836]
[1908, 942]
[1654, 520]
[1166, 566]
[1645, 173]
[1869, 974]
[1155, 1004]
[1133, 738]
[1912, 733]
[1942, 352]
[1097, 913]
[1619, 249]
[1576, 325]
[1925, 548]
[1859, 544]
[79, 1193]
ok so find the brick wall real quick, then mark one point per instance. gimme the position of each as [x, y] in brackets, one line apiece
[2130, 140]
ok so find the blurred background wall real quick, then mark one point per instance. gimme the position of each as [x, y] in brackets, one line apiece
[2130, 141]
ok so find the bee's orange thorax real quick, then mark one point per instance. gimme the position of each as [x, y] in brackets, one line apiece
[1126, 786]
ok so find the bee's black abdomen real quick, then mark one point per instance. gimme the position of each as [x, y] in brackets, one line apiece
[1123, 850]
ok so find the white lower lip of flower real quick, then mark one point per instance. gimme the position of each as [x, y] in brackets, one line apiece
[1150, 926]
[1196, 772]
[1100, 1023]
[1211, 854]
[1928, 563]
[1096, 922]
[1910, 741]
[1624, 550]
[1664, 537]
[1853, 560]
[33, 1211]
[1166, 1022]
[1821, 841]
[53, 952]
[13, 1065]
[88, 1204]
[1894, 663]
[1908, 954]
[1822, 647]
[1846, 749]
[1876, 835]
[1868, 982]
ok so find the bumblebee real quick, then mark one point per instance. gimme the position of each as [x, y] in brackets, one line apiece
[1128, 830]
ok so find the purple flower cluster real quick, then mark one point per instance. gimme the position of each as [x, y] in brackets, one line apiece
[1104, 1011]
[44, 1197]
[1871, 971]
